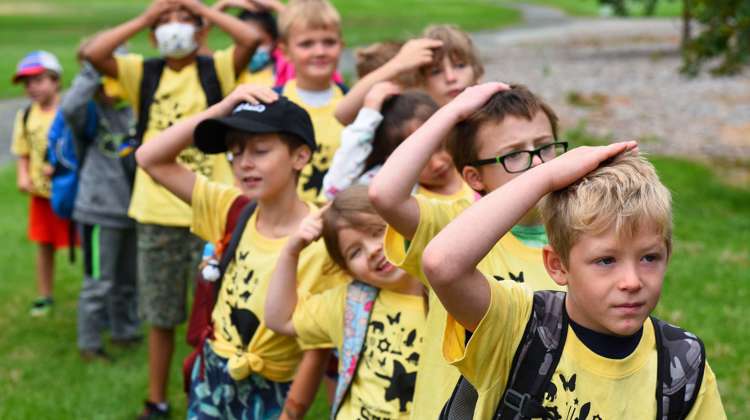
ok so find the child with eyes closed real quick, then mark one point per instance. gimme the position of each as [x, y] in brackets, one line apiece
[376, 322]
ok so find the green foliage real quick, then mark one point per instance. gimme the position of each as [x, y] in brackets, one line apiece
[724, 39]
[625, 7]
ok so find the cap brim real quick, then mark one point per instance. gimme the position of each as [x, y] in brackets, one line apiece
[32, 71]
[210, 135]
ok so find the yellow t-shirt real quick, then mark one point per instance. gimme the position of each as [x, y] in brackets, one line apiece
[32, 142]
[240, 305]
[328, 136]
[384, 382]
[264, 77]
[179, 95]
[509, 259]
[465, 192]
[584, 385]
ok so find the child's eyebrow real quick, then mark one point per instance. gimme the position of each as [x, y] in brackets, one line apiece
[513, 146]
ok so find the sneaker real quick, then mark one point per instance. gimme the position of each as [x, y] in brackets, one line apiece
[126, 343]
[42, 306]
[152, 411]
[98, 355]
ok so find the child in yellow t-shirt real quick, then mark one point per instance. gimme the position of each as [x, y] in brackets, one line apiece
[176, 85]
[39, 71]
[376, 322]
[270, 140]
[609, 221]
[311, 39]
[487, 120]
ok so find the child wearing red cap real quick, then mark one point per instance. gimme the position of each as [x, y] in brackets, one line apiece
[39, 71]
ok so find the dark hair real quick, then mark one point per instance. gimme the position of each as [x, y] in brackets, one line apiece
[264, 19]
[397, 111]
[518, 101]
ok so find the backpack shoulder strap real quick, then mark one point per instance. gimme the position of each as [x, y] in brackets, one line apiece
[279, 89]
[25, 119]
[152, 71]
[209, 79]
[239, 213]
[533, 364]
[342, 87]
[681, 364]
[360, 298]
[536, 358]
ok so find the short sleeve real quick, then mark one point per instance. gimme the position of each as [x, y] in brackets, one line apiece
[224, 64]
[708, 404]
[319, 319]
[434, 215]
[130, 74]
[211, 202]
[20, 145]
[486, 358]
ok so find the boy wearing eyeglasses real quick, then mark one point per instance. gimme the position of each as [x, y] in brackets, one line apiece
[495, 132]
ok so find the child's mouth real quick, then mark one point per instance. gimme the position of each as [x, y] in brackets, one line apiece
[251, 181]
[384, 266]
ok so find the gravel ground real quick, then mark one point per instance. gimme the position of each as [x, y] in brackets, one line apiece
[620, 78]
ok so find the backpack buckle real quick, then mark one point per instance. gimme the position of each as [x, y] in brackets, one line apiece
[524, 405]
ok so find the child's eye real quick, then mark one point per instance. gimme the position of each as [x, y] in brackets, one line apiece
[651, 258]
[435, 71]
[353, 253]
[305, 44]
[605, 261]
[329, 42]
[459, 65]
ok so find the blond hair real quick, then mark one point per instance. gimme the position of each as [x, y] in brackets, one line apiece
[457, 46]
[625, 194]
[308, 14]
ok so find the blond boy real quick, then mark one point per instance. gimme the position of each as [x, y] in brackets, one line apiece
[609, 222]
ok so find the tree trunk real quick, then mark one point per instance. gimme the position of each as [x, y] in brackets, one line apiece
[687, 17]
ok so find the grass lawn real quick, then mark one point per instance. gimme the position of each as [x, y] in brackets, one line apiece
[59, 25]
[706, 291]
[665, 8]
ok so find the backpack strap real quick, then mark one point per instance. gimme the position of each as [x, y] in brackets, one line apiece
[360, 298]
[679, 373]
[25, 119]
[152, 71]
[209, 80]
[239, 214]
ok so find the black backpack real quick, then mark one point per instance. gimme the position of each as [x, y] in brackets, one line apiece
[681, 362]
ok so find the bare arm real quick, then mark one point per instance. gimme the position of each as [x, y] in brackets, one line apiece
[390, 190]
[245, 37]
[158, 157]
[462, 289]
[100, 50]
[305, 385]
[414, 54]
[282, 290]
[23, 178]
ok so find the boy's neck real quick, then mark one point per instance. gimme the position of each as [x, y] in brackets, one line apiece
[177, 64]
[280, 215]
[50, 103]
[313, 84]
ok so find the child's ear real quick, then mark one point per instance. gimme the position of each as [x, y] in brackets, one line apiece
[554, 265]
[472, 177]
[301, 157]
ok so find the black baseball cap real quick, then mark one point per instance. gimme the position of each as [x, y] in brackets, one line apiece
[281, 116]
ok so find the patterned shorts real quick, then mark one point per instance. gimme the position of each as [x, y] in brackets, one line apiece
[218, 396]
[167, 260]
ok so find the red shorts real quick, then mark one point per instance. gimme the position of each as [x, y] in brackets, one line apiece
[45, 227]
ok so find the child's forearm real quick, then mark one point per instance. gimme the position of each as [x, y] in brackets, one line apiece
[390, 190]
[282, 294]
[346, 111]
[100, 51]
[23, 178]
[75, 101]
[305, 385]
[245, 37]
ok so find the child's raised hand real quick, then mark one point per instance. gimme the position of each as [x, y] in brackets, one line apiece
[250, 93]
[416, 53]
[156, 9]
[473, 98]
[309, 230]
[378, 93]
[193, 6]
[573, 165]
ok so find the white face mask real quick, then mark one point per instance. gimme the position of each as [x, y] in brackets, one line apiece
[176, 40]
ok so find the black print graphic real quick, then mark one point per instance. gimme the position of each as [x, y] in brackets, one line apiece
[243, 255]
[518, 279]
[248, 277]
[395, 319]
[413, 358]
[246, 322]
[570, 384]
[498, 278]
[410, 338]
[312, 178]
[377, 326]
[401, 385]
[572, 408]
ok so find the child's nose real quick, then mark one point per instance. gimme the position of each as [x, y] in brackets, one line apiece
[450, 74]
[630, 280]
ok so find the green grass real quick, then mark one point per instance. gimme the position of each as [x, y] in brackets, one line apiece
[60, 25]
[665, 8]
[706, 291]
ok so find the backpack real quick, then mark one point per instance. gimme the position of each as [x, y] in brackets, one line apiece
[199, 325]
[681, 362]
[360, 298]
[67, 160]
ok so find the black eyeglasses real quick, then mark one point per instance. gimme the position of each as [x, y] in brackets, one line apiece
[520, 161]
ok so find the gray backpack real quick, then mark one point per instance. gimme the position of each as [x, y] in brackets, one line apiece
[681, 362]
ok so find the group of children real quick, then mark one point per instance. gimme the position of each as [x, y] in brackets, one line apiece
[442, 286]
